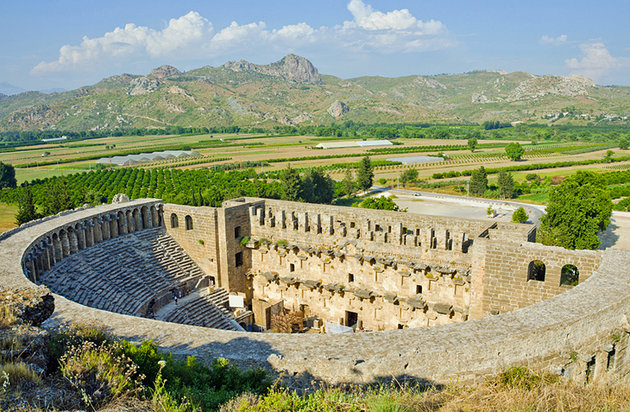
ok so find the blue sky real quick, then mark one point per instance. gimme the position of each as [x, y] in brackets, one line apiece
[67, 44]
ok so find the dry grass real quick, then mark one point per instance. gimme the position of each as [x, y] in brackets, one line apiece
[7, 316]
[7, 217]
[17, 374]
[517, 389]
[558, 396]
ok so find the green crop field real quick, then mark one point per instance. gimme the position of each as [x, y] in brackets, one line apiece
[550, 160]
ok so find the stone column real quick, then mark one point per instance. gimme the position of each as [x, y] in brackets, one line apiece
[65, 244]
[131, 223]
[138, 216]
[154, 216]
[122, 223]
[160, 216]
[147, 220]
[56, 244]
[105, 227]
[89, 233]
[113, 226]
[73, 242]
[96, 229]
[80, 229]
[29, 265]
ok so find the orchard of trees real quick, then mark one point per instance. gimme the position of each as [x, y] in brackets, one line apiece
[198, 187]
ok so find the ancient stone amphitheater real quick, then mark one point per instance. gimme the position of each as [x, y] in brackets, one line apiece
[418, 296]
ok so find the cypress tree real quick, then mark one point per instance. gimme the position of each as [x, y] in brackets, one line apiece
[365, 175]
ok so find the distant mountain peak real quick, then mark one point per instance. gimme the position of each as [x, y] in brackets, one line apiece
[164, 71]
[9, 89]
[291, 67]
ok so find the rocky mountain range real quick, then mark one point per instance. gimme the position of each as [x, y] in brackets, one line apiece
[293, 92]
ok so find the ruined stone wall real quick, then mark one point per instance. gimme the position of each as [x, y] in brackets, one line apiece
[200, 238]
[234, 224]
[506, 273]
[385, 294]
[582, 334]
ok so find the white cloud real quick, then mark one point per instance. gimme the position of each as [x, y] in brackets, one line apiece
[235, 34]
[393, 31]
[192, 34]
[596, 61]
[366, 18]
[556, 41]
[295, 32]
[128, 40]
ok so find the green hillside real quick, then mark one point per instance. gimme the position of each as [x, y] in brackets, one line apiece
[243, 94]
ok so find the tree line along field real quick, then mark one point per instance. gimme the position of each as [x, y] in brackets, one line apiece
[275, 144]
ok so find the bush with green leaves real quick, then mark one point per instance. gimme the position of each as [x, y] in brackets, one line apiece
[520, 215]
[577, 211]
[381, 203]
[514, 151]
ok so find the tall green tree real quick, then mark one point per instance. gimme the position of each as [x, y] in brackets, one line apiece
[318, 187]
[577, 211]
[348, 182]
[365, 174]
[26, 207]
[506, 185]
[478, 183]
[408, 176]
[58, 197]
[514, 151]
[472, 144]
[292, 184]
[7, 176]
[624, 144]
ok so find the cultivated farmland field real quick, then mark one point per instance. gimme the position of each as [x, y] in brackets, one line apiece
[268, 154]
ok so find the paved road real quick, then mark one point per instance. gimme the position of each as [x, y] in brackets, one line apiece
[535, 211]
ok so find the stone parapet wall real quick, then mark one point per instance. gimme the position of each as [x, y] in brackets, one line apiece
[505, 276]
[379, 232]
[581, 333]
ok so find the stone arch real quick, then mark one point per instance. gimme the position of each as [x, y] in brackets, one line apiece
[536, 270]
[189, 222]
[174, 220]
[569, 275]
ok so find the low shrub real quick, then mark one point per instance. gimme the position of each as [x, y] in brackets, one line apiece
[68, 336]
[100, 372]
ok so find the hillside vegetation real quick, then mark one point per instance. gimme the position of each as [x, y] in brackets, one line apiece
[292, 92]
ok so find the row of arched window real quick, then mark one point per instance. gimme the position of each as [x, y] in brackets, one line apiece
[175, 221]
[569, 275]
